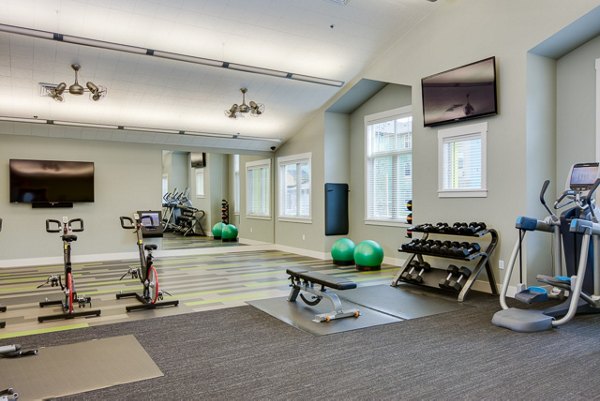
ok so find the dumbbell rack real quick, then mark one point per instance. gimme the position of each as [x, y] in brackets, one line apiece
[436, 274]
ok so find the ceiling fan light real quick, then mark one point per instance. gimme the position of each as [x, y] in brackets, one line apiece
[76, 89]
[93, 88]
[60, 88]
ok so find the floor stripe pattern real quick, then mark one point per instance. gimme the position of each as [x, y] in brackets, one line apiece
[199, 282]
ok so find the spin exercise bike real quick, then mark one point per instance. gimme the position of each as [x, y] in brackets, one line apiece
[67, 228]
[573, 256]
[152, 295]
[2, 308]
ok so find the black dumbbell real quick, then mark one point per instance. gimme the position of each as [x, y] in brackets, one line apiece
[436, 247]
[463, 274]
[467, 249]
[452, 270]
[408, 271]
[426, 247]
[441, 227]
[480, 226]
[456, 227]
[409, 246]
[445, 248]
[418, 278]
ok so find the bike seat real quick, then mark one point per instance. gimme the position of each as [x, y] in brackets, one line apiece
[150, 247]
[69, 237]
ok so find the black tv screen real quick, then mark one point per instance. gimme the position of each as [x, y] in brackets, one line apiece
[461, 93]
[51, 181]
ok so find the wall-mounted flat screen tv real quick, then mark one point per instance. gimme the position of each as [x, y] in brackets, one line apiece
[461, 93]
[51, 181]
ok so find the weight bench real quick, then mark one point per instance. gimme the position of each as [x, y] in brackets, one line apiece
[304, 280]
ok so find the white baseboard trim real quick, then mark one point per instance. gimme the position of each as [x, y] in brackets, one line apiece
[303, 252]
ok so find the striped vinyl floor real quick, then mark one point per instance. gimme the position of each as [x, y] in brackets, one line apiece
[199, 282]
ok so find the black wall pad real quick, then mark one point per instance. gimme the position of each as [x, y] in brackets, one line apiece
[336, 209]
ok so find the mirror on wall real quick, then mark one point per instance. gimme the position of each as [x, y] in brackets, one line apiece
[199, 189]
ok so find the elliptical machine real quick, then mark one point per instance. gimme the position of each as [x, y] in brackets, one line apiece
[572, 258]
[66, 228]
[152, 295]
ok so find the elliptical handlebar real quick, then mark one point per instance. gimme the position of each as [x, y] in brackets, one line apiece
[0, 224]
[543, 196]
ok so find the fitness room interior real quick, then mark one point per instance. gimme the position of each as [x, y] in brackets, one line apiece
[322, 199]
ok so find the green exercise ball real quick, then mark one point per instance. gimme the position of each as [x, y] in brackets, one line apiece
[229, 233]
[217, 230]
[342, 252]
[368, 255]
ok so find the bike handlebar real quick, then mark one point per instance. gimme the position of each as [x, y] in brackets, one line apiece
[77, 220]
[53, 230]
[124, 219]
[66, 225]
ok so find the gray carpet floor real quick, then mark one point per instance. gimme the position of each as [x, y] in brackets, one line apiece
[245, 354]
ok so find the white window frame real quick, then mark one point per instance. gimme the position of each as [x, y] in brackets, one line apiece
[461, 133]
[370, 119]
[249, 166]
[236, 184]
[200, 192]
[281, 163]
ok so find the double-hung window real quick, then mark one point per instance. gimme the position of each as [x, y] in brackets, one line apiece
[199, 173]
[258, 188]
[462, 161]
[388, 165]
[294, 187]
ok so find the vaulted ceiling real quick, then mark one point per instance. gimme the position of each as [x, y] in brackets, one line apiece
[315, 38]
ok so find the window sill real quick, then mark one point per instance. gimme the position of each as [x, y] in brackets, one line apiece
[295, 220]
[259, 217]
[387, 223]
[479, 193]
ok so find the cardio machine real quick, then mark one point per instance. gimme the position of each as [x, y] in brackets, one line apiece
[2, 308]
[152, 295]
[66, 228]
[572, 258]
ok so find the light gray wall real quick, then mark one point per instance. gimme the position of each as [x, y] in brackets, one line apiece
[461, 32]
[540, 159]
[576, 108]
[127, 178]
[390, 97]
[306, 235]
[337, 148]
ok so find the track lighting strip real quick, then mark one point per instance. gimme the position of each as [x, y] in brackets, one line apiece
[138, 129]
[100, 44]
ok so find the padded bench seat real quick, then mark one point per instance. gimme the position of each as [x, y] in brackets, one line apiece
[304, 280]
[337, 283]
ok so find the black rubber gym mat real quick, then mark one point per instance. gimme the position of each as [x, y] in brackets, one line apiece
[405, 303]
[300, 315]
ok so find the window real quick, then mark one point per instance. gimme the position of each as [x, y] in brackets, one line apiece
[258, 188]
[199, 172]
[165, 184]
[462, 161]
[388, 165]
[294, 186]
[236, 184]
